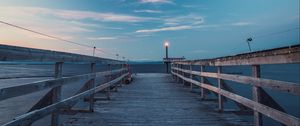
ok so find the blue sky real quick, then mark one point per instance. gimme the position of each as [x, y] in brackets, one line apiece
[137, 29]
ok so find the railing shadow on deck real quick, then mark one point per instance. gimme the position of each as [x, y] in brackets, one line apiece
[51, 102]
[261, 102]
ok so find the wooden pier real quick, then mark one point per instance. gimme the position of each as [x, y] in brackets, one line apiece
[178, 98]
[154, 99]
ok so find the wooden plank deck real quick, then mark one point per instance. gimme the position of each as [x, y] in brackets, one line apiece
[154, 99]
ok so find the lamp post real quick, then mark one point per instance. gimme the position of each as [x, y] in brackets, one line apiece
[117, 56]
[248, 41]
[167, 57]
[94, 51]
[166, 46]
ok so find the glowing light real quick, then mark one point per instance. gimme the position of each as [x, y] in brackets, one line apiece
[166, 44]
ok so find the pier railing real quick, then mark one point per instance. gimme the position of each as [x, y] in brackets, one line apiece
[52, 103]
[261, 102]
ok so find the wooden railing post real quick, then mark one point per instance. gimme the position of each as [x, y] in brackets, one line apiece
[124, 71]
[172, 66]
[220, 86]
[120, 74]
[92, 85]
[127, 70]
[56, 93]
[109, 79]
[177, 71]
[182, 73]
[191, 76]
[202, 81]
[256, 93]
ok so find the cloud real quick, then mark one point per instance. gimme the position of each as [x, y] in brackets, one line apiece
[34, 18]
[66, 24]
[175, 28]
[102, 38]
[113, 28]
[73, 14]
[11, 33]
[156, 1]
[81, 24]
[190, 19]
[186, 22]
[171, 24]
[241, 23]
[80, 15]
[147, 11]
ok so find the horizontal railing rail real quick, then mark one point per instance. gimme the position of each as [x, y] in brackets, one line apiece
[32, 116]
[268, 111]
[261, 103]
[52, 103]
[14, 91]
[288, 87]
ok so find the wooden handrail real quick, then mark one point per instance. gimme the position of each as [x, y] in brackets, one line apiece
[32, 116]
[51, 102]
[267, 111]
[14, 91]
[284, 55]
[288, 87]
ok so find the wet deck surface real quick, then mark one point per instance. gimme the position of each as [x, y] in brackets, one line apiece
[154, 99]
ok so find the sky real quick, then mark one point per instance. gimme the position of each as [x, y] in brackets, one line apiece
[137, 29]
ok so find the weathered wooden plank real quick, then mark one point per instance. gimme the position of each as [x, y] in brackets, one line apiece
[30, 117]
[107, 90]
[153, 101]
[43, 102]
[14, 91]
[202, 81]
[92, 85]
[288, 87]
[14, 53]
[220, 86]
[88, 85]
[263, 109]
[177, 78]
[100, 74]
[228, 88]
[182, 73]
[208, 92]
[290, 54]
[256, 95]
[267, 100]
[56, 94]
[191, 76]
[47, 99]
[85, 87]
[10, 92]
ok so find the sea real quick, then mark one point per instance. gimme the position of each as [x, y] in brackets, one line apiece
[12, 73]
